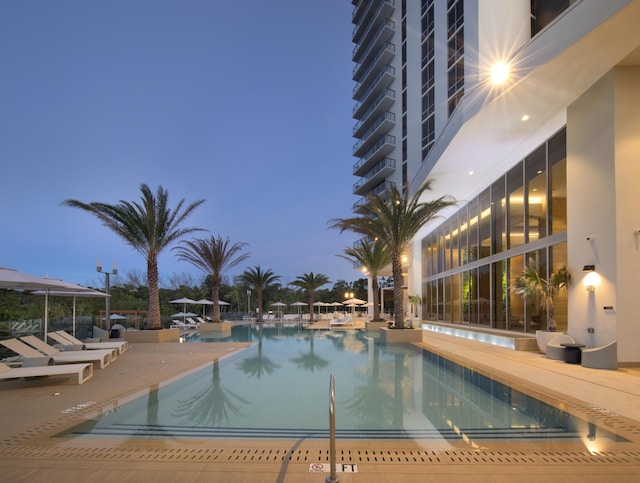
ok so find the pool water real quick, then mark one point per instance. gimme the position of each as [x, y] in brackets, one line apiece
[279, 388]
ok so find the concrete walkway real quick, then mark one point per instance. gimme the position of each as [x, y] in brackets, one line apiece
[34, 411]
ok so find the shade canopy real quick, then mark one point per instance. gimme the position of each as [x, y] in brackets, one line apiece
[16, 280]
[85, 293]
[355, 301]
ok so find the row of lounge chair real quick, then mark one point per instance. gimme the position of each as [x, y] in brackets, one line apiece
[40, 359]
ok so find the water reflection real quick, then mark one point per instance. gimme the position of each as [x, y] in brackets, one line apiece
[212, 405]
[259, 365]
[310, 361]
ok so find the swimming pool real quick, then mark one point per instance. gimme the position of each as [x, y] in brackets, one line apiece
[279, 389]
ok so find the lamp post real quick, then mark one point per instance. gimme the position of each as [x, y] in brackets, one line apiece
[350, 295]
[107, 287]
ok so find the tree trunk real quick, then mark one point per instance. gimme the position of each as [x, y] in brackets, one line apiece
[153, 317]
[260, 319]
[215, 294]
[376, 298]
[398, 282]
[311, 302]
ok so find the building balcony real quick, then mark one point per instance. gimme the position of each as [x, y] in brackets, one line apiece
[382, 34]
[383, 56]
[377, 174]
[380, 149]
[377, 191]
[363, 20]
[373, 86]
[365, 110]
[382, 125]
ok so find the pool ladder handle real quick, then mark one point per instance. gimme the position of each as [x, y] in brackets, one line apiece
[332, 478]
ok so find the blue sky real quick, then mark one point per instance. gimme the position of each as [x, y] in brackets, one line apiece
[246, 104]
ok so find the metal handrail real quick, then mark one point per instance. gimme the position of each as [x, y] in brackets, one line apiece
[332, 478]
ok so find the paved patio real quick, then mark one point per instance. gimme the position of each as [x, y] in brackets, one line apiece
[34, 411]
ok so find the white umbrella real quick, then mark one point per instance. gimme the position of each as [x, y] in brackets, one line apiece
[184, 315]
[13, 279]
[184, 301]
[355, 301]
[87, 293]
[299, 305]
[279, 305]
[204, 303]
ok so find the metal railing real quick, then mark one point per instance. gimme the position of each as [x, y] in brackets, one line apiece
[332, 478]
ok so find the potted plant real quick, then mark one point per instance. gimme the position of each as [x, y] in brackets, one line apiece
[541, 292]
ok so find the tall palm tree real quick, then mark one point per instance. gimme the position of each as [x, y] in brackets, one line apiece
[213, 256]
[311, 282]
[259, 281]
[148, 226]
[374, 258]
[393, 220]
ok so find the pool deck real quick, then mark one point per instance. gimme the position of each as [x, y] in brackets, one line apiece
[34, 411]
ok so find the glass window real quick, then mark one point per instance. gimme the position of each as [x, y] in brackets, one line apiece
[456, 302]
[455, 241]
[536, 317]
[558, 183]
[515, 209]
[498, 216]
[484, 223]
[558, 255]
[474, 251]
[469, 297]
[463, 219]
[484, 294]
[536, 179]
[499, 294]
[515, 307]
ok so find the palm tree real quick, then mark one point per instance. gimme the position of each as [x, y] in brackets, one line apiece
[393, 220]
[259, 281]
[311, 282]
[374, 258]
[213, 256]
[148, 226]
[530, 285]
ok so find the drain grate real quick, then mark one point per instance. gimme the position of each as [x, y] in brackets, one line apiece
[390, 456]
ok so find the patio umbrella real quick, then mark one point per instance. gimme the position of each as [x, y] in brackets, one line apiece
[87, 293]
[279, 305]
[355, 301]
[184, 315]
[204, 303]
[184, 301]
[299, 305]
[16, 280]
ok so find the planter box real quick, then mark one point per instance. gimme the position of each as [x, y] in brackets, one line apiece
[164, 335]
[400, 336]
[375, 326]
[215, 327]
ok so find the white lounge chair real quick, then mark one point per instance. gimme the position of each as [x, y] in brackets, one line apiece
[341, 321]
[83, 371]
[555, 351]
[66, 339]
[604, 357]
[191, 324]
[102, 358]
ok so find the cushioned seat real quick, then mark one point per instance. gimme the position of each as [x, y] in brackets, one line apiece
[604, 357]
[555, 350]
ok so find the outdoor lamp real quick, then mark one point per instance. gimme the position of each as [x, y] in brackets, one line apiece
[592, 279]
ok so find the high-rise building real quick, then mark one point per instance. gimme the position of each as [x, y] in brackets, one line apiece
[527, 112]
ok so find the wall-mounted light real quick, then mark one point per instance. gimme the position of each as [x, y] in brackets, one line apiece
[592, 279]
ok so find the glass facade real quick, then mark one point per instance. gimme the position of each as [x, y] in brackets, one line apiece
[471, 260]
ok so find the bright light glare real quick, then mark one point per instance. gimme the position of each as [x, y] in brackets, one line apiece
[500, 73]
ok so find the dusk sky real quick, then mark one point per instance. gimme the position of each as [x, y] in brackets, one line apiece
[246, 104]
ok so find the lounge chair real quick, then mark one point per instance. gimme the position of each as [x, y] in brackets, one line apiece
[191, 324]
[67, 340]
[555, 351]
[341, 321]
[31, 346]
[83, 371]
[604, 357]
